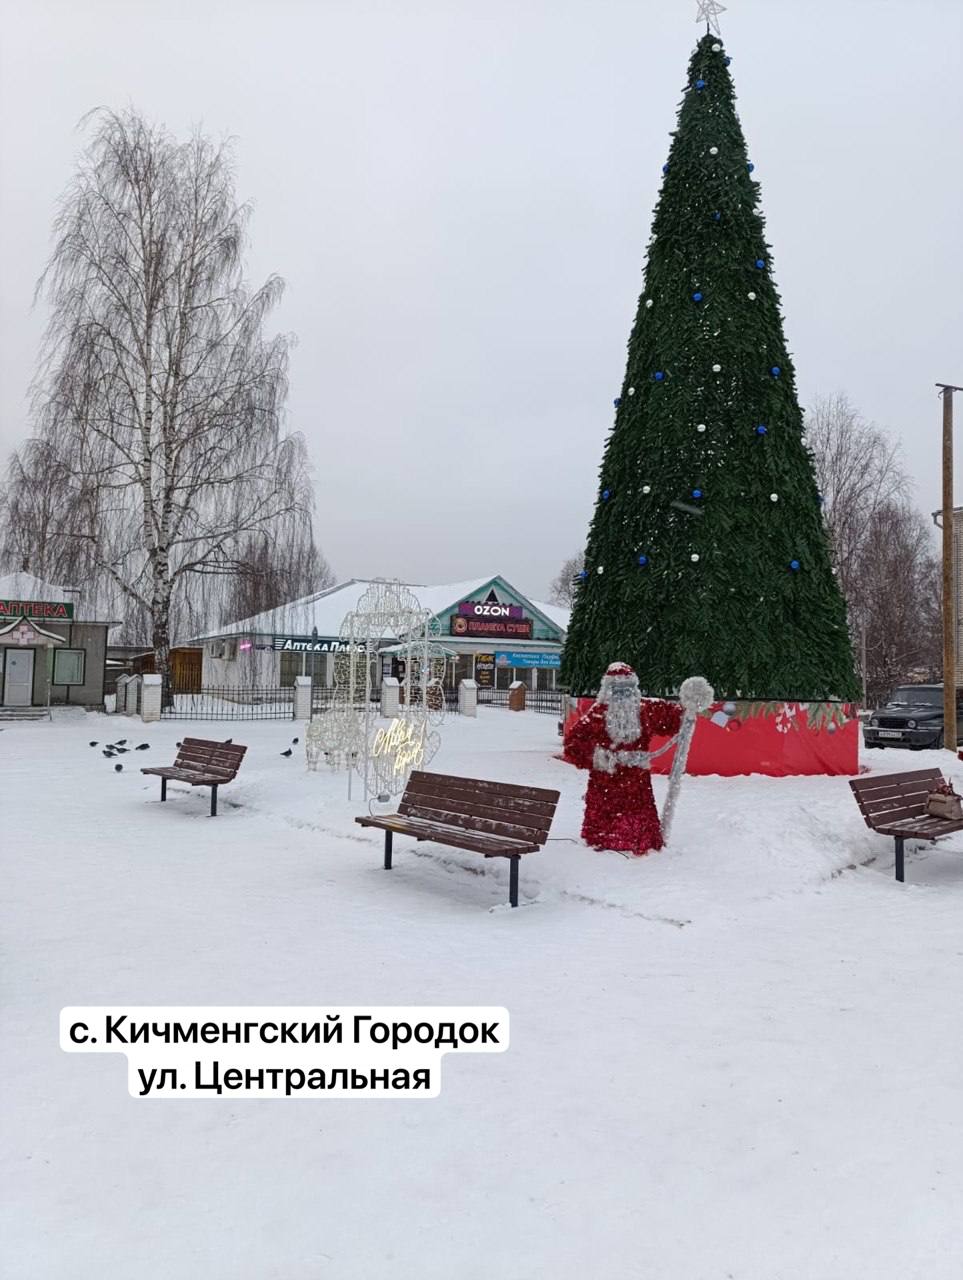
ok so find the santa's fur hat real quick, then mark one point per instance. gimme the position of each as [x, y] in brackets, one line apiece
[617, 673]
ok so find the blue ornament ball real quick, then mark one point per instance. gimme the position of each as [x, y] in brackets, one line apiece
[794, 565]
[761, 430]
[717, 217]
[643, 560]
[605, 495]
[617, 401]
[583, 574]
[665, 168]
[697, 493]
[697, 296]
[727, 61]
[760, 263]
[659, 376]
[775, 371]
[700, 84]
[750, 166]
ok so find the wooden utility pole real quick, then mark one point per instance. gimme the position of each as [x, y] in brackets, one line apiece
[949, 594]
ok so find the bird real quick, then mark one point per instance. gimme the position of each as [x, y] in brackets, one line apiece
[120, 742]
[180, 744]
[289, 752]
[118, 768]
[122, 751]
[295, 741]
[93, 744]
[228, 741]
[144, 746]
[108, 754]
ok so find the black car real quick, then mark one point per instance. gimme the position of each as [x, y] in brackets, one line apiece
[913, 717]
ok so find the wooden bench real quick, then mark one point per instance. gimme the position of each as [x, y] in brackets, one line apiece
[202, 763]
[895, 805]
[495, 819]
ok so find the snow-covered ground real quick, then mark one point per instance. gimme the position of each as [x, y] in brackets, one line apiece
[738, 1058]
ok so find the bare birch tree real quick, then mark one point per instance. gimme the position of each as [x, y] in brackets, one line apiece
[159, 396]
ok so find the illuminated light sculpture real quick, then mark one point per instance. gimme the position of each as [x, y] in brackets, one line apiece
[353, 734]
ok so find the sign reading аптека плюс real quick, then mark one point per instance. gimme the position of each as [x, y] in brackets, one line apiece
[290, 1052]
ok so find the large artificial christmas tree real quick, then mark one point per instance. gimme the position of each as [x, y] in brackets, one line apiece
[707, 553]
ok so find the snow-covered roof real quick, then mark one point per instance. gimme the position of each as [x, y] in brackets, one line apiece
[24, 586]
[555, 613]
[325, 610]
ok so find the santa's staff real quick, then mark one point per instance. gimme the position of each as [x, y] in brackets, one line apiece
[696, 696]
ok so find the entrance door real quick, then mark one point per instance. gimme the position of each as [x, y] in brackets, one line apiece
[18, 681]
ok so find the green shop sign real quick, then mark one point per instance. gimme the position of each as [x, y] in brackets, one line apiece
[38, 610]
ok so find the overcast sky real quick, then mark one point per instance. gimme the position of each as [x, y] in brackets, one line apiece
[459, 197]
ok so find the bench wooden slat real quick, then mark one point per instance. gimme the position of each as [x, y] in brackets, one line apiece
[465, 794]
[471, 822]
[490, 846]
[473, 809]
[481, 784]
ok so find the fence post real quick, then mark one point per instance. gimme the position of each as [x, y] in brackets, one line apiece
[120, 695]
[302, 697]
[516, 696]
[468, 698]
[133, 692]
[150, 701]
[390, 697]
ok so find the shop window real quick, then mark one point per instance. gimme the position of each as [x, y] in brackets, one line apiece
[463, 668]
[69, 666]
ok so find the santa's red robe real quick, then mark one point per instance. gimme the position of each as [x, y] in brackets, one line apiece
[620, 810]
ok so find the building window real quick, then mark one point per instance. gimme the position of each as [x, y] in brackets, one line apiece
[68, 666]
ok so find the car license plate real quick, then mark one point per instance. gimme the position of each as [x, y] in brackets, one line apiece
[890, 733]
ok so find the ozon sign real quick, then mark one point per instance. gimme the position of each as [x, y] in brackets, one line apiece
[489, 609]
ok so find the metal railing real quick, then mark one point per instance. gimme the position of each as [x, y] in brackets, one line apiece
[227, 702]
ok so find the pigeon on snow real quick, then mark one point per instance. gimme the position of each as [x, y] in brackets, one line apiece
[118, 768]
[144, 746]
[295, 741]
[289, 752]
[93, 744]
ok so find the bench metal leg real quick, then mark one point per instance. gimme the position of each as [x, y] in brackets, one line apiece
[388, 835]
[513, 862]
[899, 858]
[214, 800]
[163, 789]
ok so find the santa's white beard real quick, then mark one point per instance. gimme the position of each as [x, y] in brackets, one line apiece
[622, 719]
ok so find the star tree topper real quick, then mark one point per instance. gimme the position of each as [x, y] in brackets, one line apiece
[710, 10]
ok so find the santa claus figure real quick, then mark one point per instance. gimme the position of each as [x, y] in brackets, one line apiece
[612, 740]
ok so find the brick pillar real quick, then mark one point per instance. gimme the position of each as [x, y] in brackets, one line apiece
[302, 697]
[390, 697]
[468, 698]
[150, 699]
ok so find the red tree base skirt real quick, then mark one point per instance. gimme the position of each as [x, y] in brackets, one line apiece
[781, 739]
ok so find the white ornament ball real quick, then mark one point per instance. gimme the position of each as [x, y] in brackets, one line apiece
[631, 391]
[717, 48]
[646, 488]
[751, 297]
[694, 557]
[774, 497]
[717, 368]
[648, 302]
[701, 427]
[600, 569]
[713, 151]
